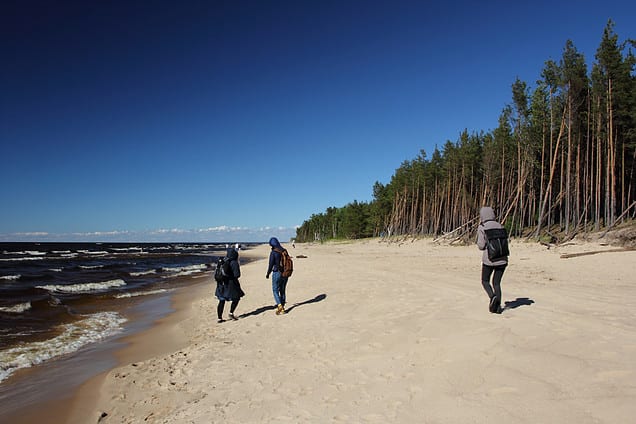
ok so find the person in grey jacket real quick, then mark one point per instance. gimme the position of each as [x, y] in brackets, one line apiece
[494, 269]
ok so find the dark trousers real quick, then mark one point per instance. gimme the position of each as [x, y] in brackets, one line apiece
[497, 273]
[221, 306]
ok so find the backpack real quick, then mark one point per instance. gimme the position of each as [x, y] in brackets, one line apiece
[223, 270]
[286, 265]
[497, 243]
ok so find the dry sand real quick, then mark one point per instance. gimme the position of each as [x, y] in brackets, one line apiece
[399, 333]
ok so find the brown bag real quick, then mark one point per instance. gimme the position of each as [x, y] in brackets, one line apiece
[286, 266]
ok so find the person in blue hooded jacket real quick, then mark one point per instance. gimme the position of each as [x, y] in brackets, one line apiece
[279, 283]
[494, 269]
[230, 289]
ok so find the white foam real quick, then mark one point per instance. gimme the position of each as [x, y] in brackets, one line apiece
[91, 266]
[10, 277]
[72, 337]
[126, 249]
[140, 273]
[24, 258]
[55, 269]
[16, 309]
[185, 271]
[93, 252]
[191, 268]
[33, 253]
[83, 287]
[141, 293]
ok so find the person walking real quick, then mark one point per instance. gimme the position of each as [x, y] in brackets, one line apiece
[229, 290]
[491, 267]
[279, 283]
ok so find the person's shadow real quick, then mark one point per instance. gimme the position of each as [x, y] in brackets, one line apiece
[263, 309]
[257, 311]
[318, 298]
[520, 301]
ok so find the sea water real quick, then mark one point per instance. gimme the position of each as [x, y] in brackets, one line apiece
[59, 298]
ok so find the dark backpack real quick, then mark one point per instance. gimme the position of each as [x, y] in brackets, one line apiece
[497, 244]
[286, 266]
[223, 271]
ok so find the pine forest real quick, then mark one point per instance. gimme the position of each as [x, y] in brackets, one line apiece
[560, 161]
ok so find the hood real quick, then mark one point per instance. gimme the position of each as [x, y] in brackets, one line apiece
[232, 254]
[274, 242]
[486, 214]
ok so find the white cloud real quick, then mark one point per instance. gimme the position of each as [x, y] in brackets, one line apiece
[217, 234]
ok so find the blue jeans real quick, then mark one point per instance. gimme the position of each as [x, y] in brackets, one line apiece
[279, 284]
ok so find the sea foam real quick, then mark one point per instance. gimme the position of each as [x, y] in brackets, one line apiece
[187, 270]
[140, 273]
[141, 293]
[72, 337]
[16, 309]
[83, 287]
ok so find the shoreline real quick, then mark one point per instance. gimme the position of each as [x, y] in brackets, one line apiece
[140, 343]
[165, 337]
[147, 337]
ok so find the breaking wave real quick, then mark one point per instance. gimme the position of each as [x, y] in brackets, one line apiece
[73, 337]
[83, 287]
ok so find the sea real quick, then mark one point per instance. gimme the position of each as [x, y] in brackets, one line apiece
[57, 299]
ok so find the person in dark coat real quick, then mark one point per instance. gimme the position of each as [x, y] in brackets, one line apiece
[229, 289]
[489, 268]
[279, 283]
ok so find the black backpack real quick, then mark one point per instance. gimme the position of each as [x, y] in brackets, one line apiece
[223, 271]
[497, 244]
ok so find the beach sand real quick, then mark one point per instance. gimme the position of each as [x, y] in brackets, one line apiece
[383, 332]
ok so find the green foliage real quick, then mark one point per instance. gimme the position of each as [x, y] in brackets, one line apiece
[545, 161]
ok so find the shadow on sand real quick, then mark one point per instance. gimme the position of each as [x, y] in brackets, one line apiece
[272, 308]
[306, 302]
[520, 301]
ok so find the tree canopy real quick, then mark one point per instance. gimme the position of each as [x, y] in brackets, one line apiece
[562, 158]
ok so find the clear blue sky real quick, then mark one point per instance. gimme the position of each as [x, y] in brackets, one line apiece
[236, 120]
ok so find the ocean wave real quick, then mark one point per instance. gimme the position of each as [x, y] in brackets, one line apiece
[55, 269]
[72, 337]
[126, 249]
[93, 252]
[16, 309]
[31, 252]
[141, 293]
[23, 258]
[91, 266]
[185, 271]
[140, 273]
[83, 287]
[10, 277]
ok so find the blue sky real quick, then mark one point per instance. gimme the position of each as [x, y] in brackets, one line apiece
[237, 120]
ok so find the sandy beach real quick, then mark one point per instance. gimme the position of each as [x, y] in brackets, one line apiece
[394, 332]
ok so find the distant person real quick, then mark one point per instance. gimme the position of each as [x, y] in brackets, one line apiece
[229, 290]
[491, 266]
[279, 283]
